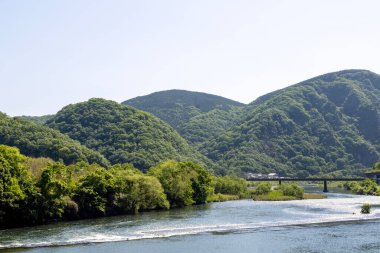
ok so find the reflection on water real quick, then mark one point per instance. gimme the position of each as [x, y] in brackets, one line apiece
[261, 226]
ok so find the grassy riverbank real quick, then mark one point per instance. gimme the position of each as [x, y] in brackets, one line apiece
[285, 192]
[222, 197]
[279, 196]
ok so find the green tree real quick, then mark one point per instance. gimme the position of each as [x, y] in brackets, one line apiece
[94, 192]
[16, 189]
[53, 188]
[141, 192]
[184, 183]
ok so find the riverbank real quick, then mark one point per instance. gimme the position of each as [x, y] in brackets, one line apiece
[279, 196]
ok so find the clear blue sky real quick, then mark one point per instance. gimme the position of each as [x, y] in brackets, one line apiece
[53, 52]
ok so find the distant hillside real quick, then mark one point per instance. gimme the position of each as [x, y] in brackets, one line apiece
[123, 134]
[40, 120]
[326, 125]
[41, 141]
[195, 115]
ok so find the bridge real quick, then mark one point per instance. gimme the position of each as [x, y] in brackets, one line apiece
[324, 180]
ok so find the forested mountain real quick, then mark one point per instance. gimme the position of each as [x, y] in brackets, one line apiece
[123, 134]
[326, 125]
[195, 115]
[41, 141]
[40, 120]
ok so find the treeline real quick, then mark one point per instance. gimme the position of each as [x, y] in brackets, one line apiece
[38, 190]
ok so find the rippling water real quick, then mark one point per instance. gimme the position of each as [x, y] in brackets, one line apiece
[236, 226]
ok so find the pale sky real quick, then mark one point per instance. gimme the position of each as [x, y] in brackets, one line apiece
[53, 53]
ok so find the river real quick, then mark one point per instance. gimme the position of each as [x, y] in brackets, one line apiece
[308, 226]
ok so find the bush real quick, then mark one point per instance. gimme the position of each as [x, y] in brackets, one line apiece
[366, 209]
[230, 185]
[365, 187]
[292, 190]
[263, 188]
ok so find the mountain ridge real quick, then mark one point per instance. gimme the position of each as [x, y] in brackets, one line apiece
[41, 141]
[345, 126]
[123, 134]
[195, 115]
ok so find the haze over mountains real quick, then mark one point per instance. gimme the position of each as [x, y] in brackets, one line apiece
[329, 124]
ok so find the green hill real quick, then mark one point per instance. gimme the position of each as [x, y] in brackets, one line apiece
[195, 115]
[40, 120]
[326, 125]
[123, 134]
[41, 141]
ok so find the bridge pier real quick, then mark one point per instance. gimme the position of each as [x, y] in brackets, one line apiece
[325, 186]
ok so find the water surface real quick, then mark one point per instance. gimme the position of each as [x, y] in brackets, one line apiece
[327, 225]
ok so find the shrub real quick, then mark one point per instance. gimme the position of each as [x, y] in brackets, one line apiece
[292, 190]
[263, 188]
[365, 187]
[366, 208]
[230, 185]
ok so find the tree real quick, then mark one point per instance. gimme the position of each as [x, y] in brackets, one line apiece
[95, 191]
[184, 183]
[141, 192]
[16, 188]
[53, 188]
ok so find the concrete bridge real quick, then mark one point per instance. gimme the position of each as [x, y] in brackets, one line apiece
[324, 180]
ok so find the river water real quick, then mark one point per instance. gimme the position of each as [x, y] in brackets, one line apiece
[327, 225]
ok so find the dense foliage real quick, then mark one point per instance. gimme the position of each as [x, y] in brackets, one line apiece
[40, 120]
[40, 141]
[123, 134]
[264, 192]
[328, 125]
[291, 190]
[17, 192]
[376, 166]
[195, 115]
[230, 185]
[365, 187]
[263, 188]
[38, 190]
[184, 183]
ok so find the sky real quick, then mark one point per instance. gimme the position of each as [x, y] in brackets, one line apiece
[53, 53]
